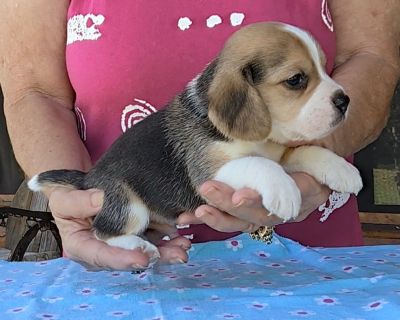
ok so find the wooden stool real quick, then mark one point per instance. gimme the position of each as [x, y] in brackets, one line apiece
[31, 233]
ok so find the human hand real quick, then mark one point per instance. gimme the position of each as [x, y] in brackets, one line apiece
[242, 210]
[73, 211]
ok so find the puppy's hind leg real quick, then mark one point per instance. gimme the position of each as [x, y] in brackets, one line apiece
[123, 218]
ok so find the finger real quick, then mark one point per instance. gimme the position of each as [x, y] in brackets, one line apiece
[182, 242]
[78, 204]
[100, 254]
[173, 254]
[188, 218]
[222, 221]
[175, 250]
[247, 197]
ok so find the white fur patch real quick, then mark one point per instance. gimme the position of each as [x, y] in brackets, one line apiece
[139, 217]
[131, 242]
[312, 46]
[326, 167]
[34, 184]
[280, 195]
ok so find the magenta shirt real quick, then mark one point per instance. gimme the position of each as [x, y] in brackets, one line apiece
[126, 59]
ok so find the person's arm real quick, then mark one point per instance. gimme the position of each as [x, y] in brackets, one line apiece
[38, 104]
[38, 98]
[367, 65]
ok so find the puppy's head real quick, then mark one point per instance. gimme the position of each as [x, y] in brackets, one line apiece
[270, 83]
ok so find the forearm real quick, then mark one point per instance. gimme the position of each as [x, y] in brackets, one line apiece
[367, 66]
[44, 135]
[370, 82]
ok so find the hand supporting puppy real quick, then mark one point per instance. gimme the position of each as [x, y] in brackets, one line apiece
[73, 211]
[243, 211]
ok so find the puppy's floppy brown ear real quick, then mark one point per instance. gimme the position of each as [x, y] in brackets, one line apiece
[235, 105]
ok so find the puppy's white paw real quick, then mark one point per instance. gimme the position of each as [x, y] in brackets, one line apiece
[342, 176]
[280, 194]
[131, 242]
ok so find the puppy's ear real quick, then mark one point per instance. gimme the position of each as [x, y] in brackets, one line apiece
[235, 105]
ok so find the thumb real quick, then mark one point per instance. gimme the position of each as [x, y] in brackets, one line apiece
[78, 204]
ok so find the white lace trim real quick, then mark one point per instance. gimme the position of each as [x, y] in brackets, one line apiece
[84, 27]
[335, 201]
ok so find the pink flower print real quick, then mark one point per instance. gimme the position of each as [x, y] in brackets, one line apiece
[263, 254]
[24, 293]
[258, 305]
[83, 306]
[302, 313]
[86, 291]
[327, 301]
[347, 291]
[349, 269]
[253, 272]
[290, 273]
[280, 293]
[265, 283]
[276, 265]
[206, 285]
[228, 316]
[326, 278]
[215, 298]
[118, 314]
[16, 310]
[52, 299]
[325, 258]
[375, 305]
[187, 309]
[150, 302]
[47, 316]
[392, 254]
[235, 245]
[379, 261]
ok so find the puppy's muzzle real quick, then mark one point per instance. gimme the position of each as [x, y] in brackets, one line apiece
[340, 101]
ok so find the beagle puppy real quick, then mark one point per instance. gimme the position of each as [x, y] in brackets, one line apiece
[233, 123]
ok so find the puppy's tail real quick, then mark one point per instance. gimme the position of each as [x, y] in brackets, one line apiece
[53, 178]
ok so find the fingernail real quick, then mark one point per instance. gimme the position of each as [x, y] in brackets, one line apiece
[178, 261]
[209, 192]
[199, 214]
[96, 199]
[243, 202]
[138, 267]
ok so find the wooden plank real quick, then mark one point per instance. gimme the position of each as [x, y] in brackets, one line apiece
[380, 218]
[16, 226]
[380, 241]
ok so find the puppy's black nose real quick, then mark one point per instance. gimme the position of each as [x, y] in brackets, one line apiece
[341, 101]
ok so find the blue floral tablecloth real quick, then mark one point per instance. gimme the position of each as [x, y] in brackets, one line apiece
[235, 279]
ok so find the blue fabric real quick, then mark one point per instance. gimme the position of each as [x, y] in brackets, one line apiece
[235, 279]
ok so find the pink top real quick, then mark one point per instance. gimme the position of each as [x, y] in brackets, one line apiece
[127, 59]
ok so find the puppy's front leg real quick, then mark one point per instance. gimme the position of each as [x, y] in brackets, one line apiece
[325, 166]
[280, 195]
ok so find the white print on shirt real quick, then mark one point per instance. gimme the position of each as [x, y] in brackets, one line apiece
[84, 27]
[326, 15]
[213, 21]
[135, 113]
[81, 123]
[336, 200]
[184, 23]
[236, 19]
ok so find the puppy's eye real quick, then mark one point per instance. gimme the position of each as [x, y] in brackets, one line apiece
[297, 82]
